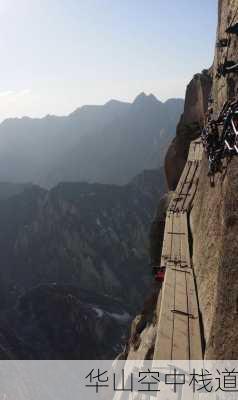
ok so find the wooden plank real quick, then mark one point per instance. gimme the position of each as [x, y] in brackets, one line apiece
[191, 189]
[195, 151]
[194, 323]
[179, 335]
[168, 237]
[191, 153]
[163, 344]
[177, 194]
[200, 152]
[185, 175]
[189, 201]
[166, 250]
[182, 177]
[180, 349]
[185, 253]
[184, 206]
[176, 239]
[198, 155]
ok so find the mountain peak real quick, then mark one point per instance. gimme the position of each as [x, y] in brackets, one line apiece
[142, 98]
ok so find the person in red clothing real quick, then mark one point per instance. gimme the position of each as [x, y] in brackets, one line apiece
[159, 276]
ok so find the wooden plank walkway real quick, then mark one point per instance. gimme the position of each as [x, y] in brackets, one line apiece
[178, 335]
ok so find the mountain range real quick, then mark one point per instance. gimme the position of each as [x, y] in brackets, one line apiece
[111, 143]
[74, 238]
[74, 265]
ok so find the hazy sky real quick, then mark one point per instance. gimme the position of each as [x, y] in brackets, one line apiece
[59, 54]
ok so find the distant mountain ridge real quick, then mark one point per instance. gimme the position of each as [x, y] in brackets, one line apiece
[111, 143]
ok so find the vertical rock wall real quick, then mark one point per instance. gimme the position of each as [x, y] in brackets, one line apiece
[188, 129]
[213, 220]
[214, 223]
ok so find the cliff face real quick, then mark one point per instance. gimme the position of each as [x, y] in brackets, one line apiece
[188, 129]
[214, 216]
[213, 219]
[144, 327]
[214, 222]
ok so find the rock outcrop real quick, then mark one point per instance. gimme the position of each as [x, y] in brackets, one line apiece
[188, 129]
